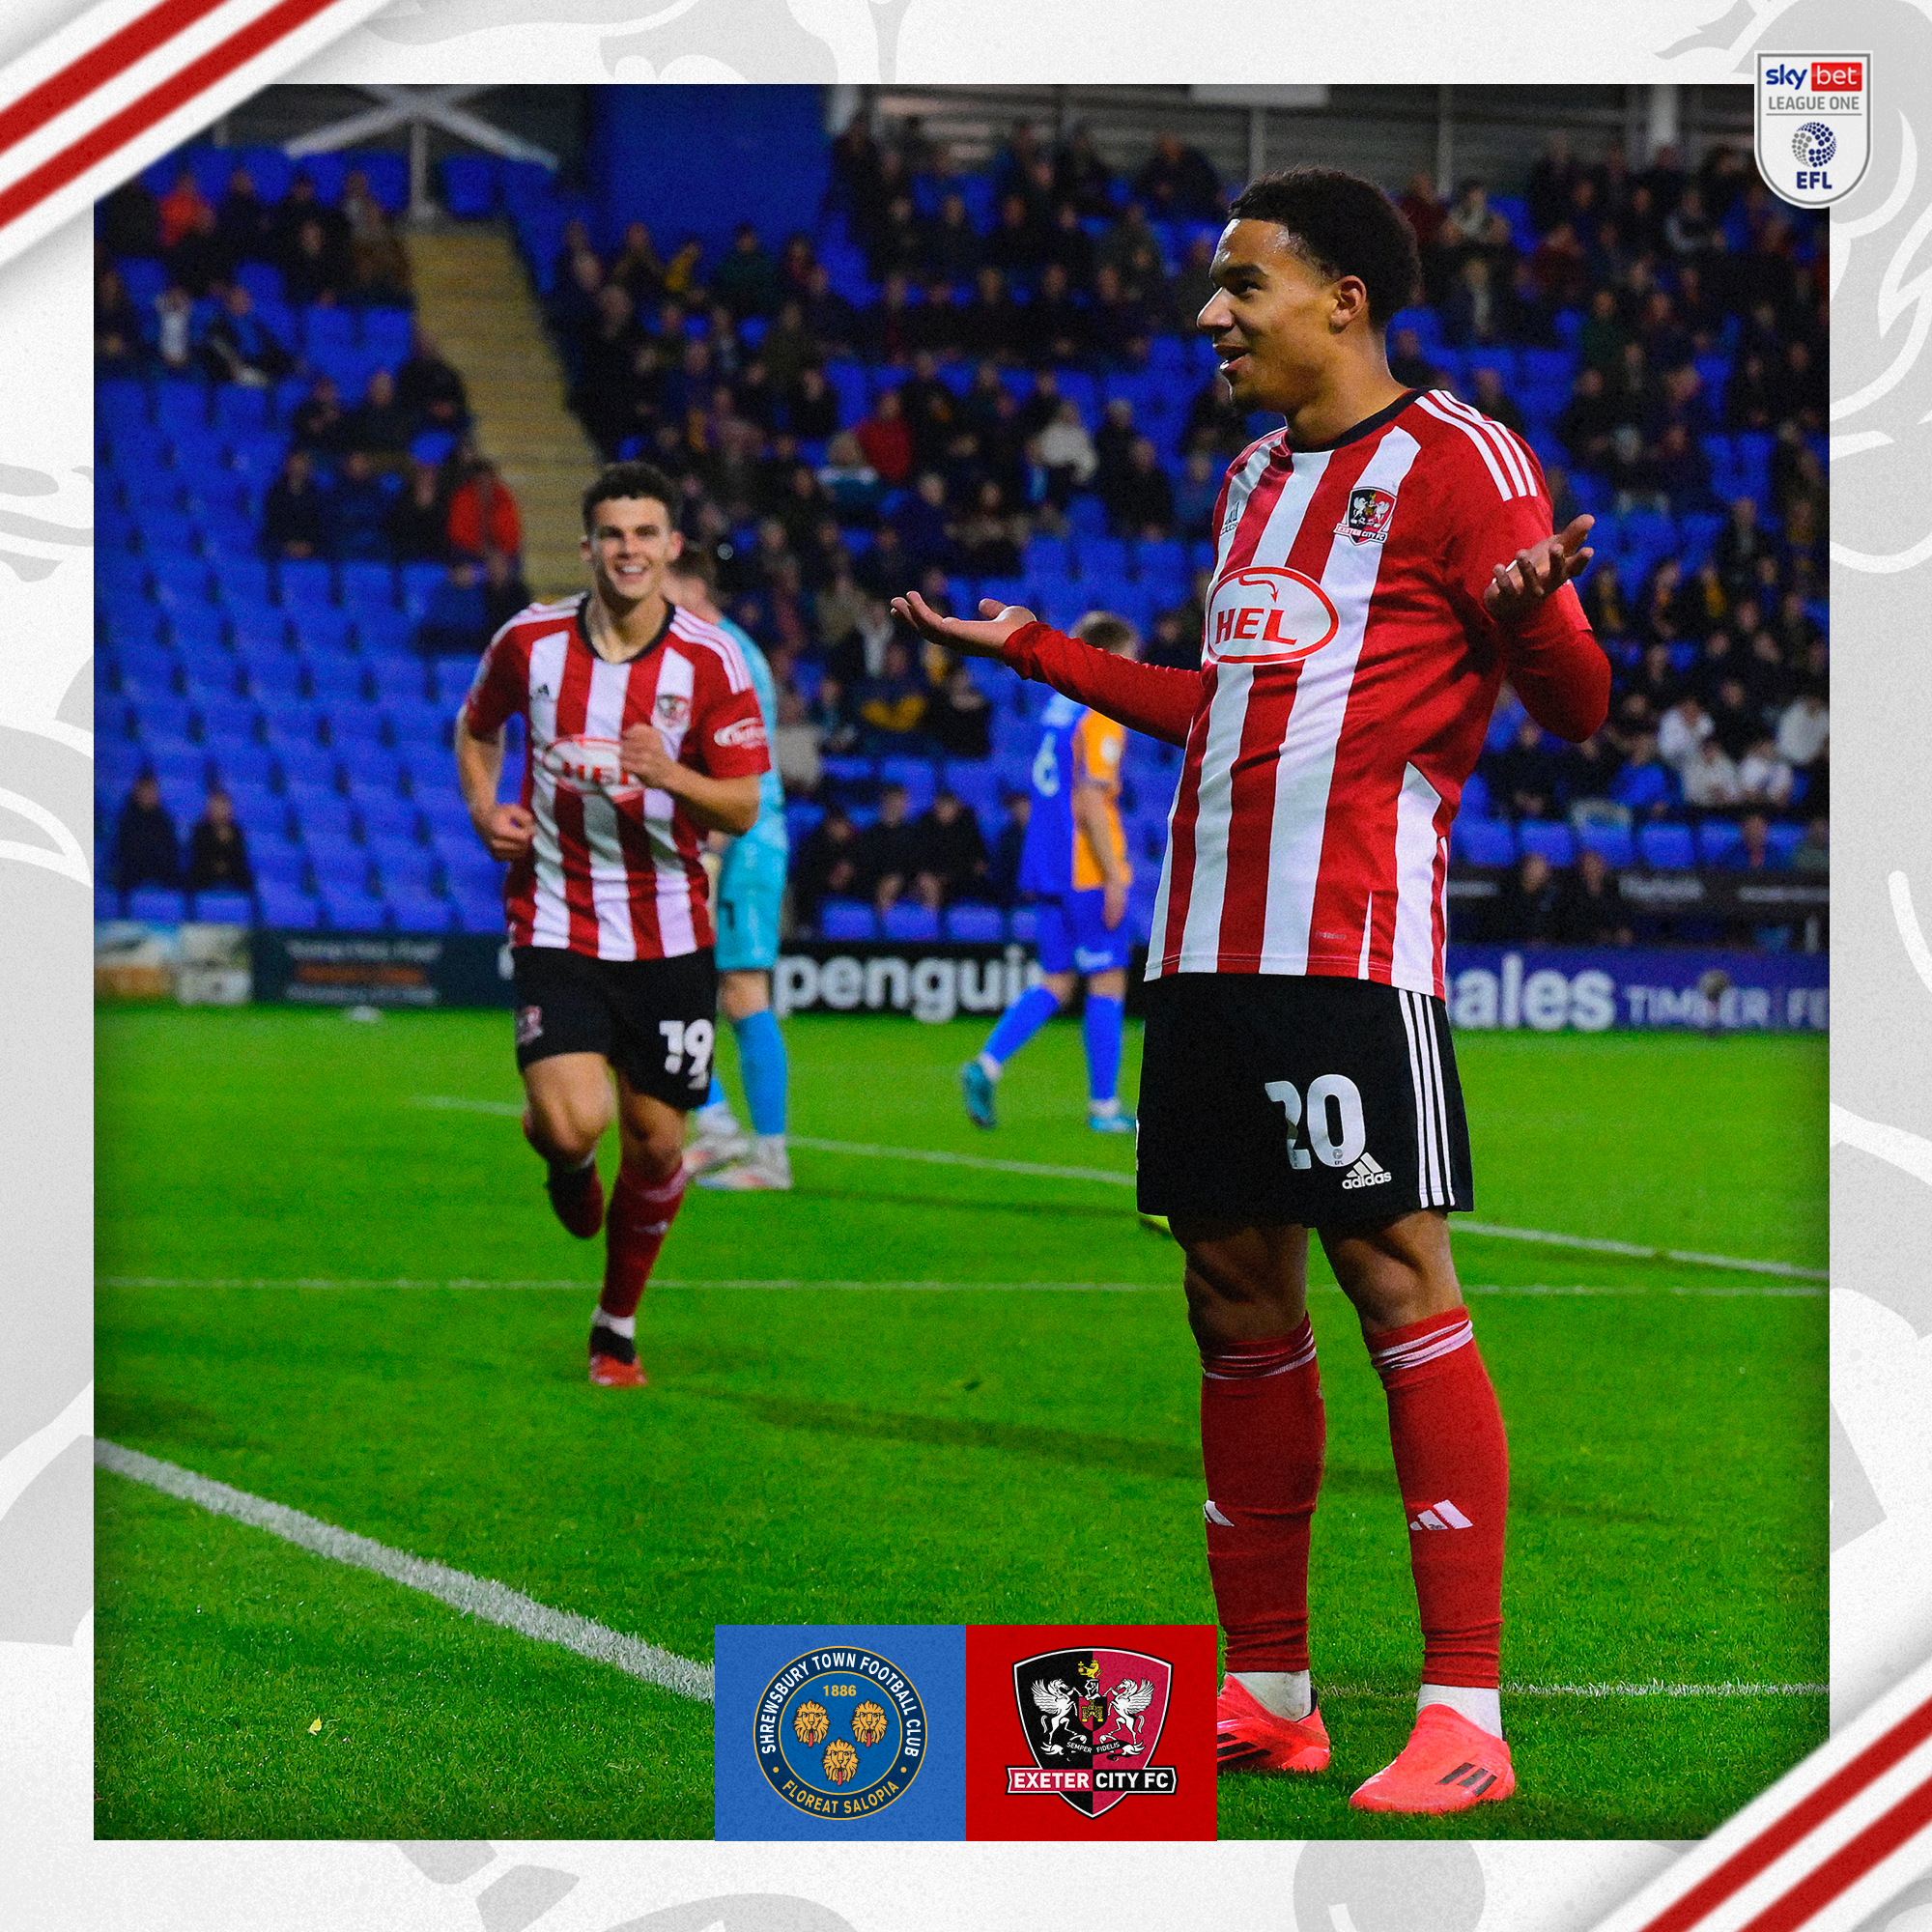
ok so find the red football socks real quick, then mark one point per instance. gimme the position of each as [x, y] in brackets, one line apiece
[635, 1228]
[1452, 1461]
[1263, 1432]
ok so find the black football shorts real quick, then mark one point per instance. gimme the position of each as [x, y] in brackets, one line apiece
[654, 1020]
[1331, 1103]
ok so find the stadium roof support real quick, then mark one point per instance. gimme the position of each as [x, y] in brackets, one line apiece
[418, 109]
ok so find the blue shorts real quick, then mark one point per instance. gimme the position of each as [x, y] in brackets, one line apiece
[1073, 935]
[751, 890]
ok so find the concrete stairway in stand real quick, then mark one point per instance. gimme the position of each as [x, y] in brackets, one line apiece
[474, 297]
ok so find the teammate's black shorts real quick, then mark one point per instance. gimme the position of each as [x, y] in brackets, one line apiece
[1267, 1097]
[654, 1020]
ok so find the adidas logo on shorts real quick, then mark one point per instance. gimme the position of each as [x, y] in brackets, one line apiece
[1368, 1172]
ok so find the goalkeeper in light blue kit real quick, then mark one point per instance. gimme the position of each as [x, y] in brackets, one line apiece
[1075, 864]
[747, 901]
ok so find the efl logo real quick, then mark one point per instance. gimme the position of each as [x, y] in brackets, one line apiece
[1265, 616]
[1813, 133]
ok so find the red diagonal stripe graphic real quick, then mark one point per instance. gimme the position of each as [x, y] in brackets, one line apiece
[1777, 1838]
[95, 68]
[1848, 1864]
[118, 129]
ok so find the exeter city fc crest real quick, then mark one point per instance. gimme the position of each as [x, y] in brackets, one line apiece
[1813, 125]
[1092, 1719]
[1368, 518]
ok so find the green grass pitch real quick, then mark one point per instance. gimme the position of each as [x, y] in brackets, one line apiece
[896, 1454]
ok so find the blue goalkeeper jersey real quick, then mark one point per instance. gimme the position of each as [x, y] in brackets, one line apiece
[770, 826]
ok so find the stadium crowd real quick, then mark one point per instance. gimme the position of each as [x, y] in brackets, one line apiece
[990, 378]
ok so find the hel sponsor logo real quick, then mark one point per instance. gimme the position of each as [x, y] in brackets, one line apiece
[1368, 518]
[587, 764]
[1368, 1172]
[744, 735]
[1265, 616]
[1440, 1515]
[1091, 1717]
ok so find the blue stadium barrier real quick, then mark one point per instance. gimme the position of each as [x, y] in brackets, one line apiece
[846, 918]
[223, 908]
[157, 905]
[1719, 844]
[348, 911]
[1613, 844]
[1483, 841]
[915, 924]
[421, 912]
[286, 907]
[1023, 924]
[1548, 841]
[1668, 847]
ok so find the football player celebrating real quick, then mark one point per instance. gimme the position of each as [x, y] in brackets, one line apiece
[643, 735]
[1386, 559]
[1075, 863]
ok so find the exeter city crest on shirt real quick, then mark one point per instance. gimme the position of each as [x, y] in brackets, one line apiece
[1092, 1719]
[1813, 125]
[1262, 614]
[1368, 518]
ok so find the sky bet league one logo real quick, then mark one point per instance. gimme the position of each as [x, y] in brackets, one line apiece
[1813, 125]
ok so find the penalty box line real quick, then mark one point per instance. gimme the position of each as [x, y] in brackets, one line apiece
[474, 1596]
[938, 1157]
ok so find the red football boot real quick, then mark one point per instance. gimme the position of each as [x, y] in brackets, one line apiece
[576, 1194]
[1447, 1765]
[1249, 1737]
[607, 1371]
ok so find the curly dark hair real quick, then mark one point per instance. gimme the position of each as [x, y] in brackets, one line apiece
[1342, 225]
[630, 479]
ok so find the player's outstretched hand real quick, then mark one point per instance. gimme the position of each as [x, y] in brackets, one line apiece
[960, 633]
[509, 831]
[1518, 587]
[641, 752]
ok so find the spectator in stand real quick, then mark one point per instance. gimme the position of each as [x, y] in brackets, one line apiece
[1193, 284]
[959, 719]
[924, 527]
[1591, 912]
[950, 853]
[483, 513]
[181, 208]
[1081, 176]
[504, 591]
[1003, 869]
[118, 346]
[378, 267]
[635, 267]
[1523, 778]
[314, 273]
[1683, 732]
[990, 324]
[430, 389]
[1710, 778]
[1494, 402]
[1740, 546]
[1140, 499]
[887, 439]
[1754, 833]
[146, 849]
[1531, 909]
[851, 485]
[130, 221]
[240, 347]
[886, 854]
[377, 425]
[1804, 731]
[418, 522]
[243, 221]
[830, 319]
[1178, 183]
[1053, 328]
[746, 281]
[1408, 364]
[457, 621]
[789, 348]
[217, 850]
[1118, 323]
[1763, 777]
[951, 251]
[892, 703]
[826, 866]
[1588, 421]
[201, 262]
[1646, 786]
[295, 513]
[814, 407]
[796, 747]
[358, 512]
[991, 538]
[1814, 852]
[1195, 497]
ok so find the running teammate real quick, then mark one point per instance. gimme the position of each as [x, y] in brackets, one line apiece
[1074, 861]
[643, 734]
[1384, 561]
[749, 896]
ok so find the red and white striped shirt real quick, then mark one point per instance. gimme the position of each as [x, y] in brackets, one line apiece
[615, 871]
[1349, 670]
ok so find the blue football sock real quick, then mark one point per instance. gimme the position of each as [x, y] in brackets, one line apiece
[1102, 1031]
[761, 1061]
[1018, 1024]
[716, 1097]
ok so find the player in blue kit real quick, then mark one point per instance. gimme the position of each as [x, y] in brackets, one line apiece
[1075, 863]
[746, 899]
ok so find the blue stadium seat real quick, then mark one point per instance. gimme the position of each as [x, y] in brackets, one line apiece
[180, 581]
[243, 764]
[1668, 847]
[244, 585]
[228, 721]
[977, 786]
[367, 585]
[341, 683]
[1105, 557]
[348, 911]
[157, 905]
[405, 868]
[976, 925]
[324, 630]
[846, 918]
[421, 911]
[1781, 841]
[352, 722]
[1547, 840]
[1023, 924]
[304, 585]
[385, 631]
[198, 631]
[260, 812]
[322, 815]
[387, 816]
[223, 908]
[1720, 843]
[388, 334]
[181, 406]
[917, 925]
[366, 764]
[470, 185]
[163, 718]
[284, 907]
[1612, 842]
[274, 682]
[416, 722]
[278, 863]
[918, 777]
[1484, 841]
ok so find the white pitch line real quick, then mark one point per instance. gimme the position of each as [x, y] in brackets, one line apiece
[474, 1596]
[788, 1284]
[932, 1156]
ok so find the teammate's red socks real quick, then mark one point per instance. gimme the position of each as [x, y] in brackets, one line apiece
[1452, 1462]
[639, 1218]
[1263, 1432]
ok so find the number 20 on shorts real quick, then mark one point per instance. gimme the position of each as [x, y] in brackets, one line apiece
[1336, 1131]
